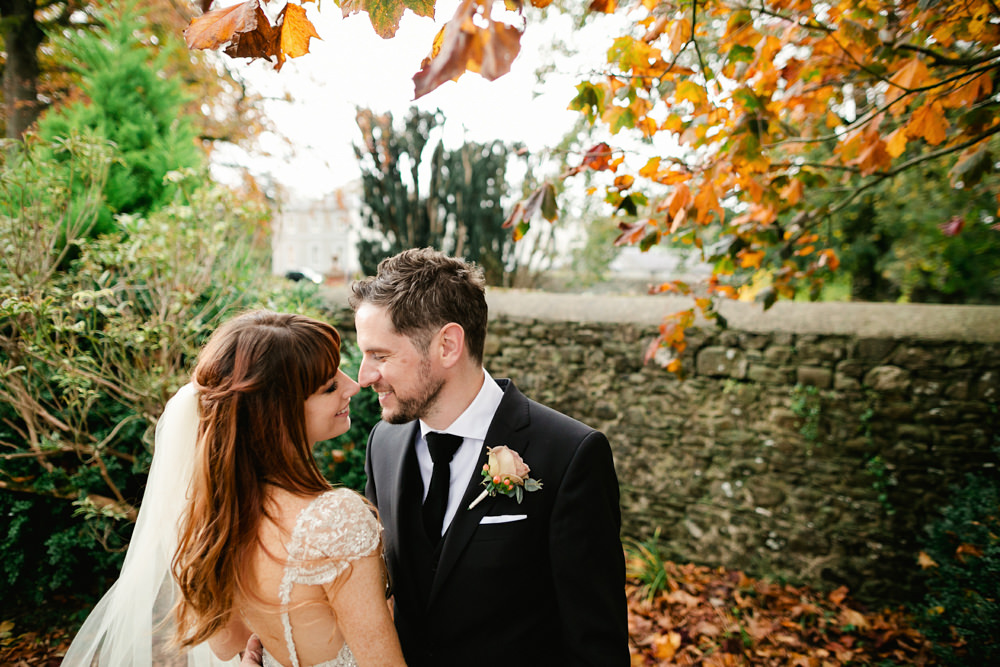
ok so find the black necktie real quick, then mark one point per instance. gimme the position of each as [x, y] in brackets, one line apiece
[442, 447]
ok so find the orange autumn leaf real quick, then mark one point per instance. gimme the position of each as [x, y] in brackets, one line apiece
[750, 259]
[651, 168]
[925, 561]
[828, 259]
[690, 91]
[970, 93]
[792, 192]
[968, 550]
[873, 157]
[624, 182]
[911, 75]
[707, 202]
[679, 34]
[296, 31]
[929, 123]
[665, 646]
[679, 199]
[895, 144]
[677, 220]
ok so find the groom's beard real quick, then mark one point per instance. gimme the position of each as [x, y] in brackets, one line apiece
[414, 407]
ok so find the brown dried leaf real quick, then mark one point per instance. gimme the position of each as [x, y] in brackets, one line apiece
[464, 46]
[218, 28]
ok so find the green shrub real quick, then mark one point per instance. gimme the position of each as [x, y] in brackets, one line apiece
[90, 353]
[962, 604]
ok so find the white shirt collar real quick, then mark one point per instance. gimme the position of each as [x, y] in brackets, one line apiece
[475, 421]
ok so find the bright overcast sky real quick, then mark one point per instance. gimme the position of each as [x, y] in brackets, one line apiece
[352, 67]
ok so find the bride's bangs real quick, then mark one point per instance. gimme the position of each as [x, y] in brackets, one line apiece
[318, 356]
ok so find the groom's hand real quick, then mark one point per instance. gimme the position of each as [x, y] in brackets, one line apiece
[253, 654]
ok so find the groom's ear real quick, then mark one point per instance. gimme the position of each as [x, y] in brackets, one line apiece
[451, 343]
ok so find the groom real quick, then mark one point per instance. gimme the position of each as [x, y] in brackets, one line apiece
[535, 583]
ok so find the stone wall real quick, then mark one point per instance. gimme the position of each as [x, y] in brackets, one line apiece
[811, 443]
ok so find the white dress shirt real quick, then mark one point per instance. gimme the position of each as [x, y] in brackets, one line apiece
[472, 426]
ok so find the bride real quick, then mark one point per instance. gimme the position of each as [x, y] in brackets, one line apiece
[239, 533]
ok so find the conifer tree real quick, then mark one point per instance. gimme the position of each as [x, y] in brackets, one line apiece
[128, 100]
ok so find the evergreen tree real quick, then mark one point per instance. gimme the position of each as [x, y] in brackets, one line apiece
[462, 212]
[128, 100]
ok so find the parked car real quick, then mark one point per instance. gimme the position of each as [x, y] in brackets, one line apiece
[298, 275]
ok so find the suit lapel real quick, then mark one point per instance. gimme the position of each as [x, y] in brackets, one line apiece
[510, 418]
[399, 451]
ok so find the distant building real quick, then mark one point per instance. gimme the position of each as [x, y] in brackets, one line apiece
[319, 235]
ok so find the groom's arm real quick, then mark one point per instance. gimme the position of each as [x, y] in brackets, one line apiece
[588, 562]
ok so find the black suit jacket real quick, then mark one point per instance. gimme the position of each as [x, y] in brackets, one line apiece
[545, 590]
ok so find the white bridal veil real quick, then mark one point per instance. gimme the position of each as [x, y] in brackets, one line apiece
[132, 625]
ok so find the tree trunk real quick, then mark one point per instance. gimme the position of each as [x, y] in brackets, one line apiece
[21, 37]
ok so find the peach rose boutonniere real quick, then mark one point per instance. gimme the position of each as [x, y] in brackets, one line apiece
[506, 473]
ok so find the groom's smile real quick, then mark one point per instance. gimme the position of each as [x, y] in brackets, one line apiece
[403, 377]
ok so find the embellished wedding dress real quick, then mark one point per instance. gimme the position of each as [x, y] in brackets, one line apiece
[332, 531]
[132, 624]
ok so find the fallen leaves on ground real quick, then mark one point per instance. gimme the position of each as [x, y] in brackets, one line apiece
[720, 618]
[32, 649]
[703, 617]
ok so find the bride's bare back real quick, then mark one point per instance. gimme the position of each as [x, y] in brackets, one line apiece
[319, 576]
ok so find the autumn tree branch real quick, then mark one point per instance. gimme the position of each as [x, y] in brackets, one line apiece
[912, 162]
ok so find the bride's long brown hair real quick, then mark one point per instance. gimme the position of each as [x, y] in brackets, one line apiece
[253, 378]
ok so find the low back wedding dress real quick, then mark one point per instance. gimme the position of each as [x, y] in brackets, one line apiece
[335, 529]
[132, 625]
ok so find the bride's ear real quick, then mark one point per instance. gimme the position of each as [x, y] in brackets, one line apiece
[451, 344]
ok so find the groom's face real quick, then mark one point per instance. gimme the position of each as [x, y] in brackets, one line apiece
[406, 380]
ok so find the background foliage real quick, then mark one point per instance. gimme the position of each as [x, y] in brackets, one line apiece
[961, 611]
[120, 258]
[417, 193]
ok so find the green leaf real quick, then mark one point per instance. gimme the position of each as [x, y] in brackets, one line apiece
[589, 100]
[742, 54]
[385, 14]
[649, 240]
[550, 210]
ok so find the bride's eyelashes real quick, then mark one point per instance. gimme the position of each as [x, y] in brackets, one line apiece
[332, 388]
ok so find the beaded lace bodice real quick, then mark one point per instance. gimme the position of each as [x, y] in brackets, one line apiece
[333, 530]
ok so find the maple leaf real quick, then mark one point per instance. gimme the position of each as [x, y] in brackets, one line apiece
[971, 166]
[242, 29]
[296, 30]
[464, 46]
[385, 14]
[896, 142]
[634, 232]
[542, 199]
[929, 122]
[911, 75]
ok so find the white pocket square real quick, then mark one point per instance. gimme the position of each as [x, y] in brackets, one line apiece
[503, 518]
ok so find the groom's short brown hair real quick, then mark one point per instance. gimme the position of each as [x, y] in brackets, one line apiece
[423, 289]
